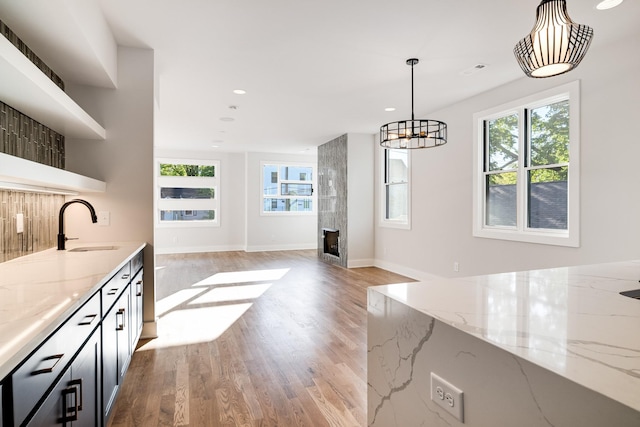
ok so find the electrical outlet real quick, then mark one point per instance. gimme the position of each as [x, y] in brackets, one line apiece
[447, 396]
[104, 218]
[456, 266]
[19, 223]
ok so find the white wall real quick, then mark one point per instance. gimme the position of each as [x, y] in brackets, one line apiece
[124, 161]
[360, 197]
[275, 232]
[610, 206]
[229, 235]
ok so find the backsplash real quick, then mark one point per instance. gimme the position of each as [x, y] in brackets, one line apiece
[40, 222]
[24, 49]
[21, 136]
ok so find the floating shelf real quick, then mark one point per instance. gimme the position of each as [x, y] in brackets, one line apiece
[25, 175]
[24, 87]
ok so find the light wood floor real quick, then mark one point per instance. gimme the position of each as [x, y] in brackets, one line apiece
[253, 339]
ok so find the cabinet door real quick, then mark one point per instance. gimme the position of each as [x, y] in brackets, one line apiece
[85, 373]
[115, 350]
[137, 285]
[74, 399]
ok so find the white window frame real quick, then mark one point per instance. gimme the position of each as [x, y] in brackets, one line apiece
[187, 204]
[569, 237]
[384, 221]
[313, 197]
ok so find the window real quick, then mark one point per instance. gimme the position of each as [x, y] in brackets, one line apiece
[287, 188]
[187, 192]
[395, 182]
[527, 169]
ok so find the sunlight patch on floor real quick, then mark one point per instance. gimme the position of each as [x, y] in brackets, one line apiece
[195, 325]
[232, 293]
[243, 277]
[167, 304]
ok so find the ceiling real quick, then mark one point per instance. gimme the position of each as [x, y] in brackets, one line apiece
[312, 70]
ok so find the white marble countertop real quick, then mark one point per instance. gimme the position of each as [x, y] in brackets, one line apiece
[40, 290]
[570, 320]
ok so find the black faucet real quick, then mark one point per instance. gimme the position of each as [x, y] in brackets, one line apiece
[61, 238]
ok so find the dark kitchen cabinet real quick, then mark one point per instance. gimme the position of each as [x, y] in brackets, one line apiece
[137, 295]
[116, 349]
[72, 377]
[74, 399]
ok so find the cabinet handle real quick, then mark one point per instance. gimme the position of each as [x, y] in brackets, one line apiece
[78, 383]
[120, 326]
[55, 358]
[69, 412]
[112, 291]
[88, 319]
[126, 276]
[139, 288]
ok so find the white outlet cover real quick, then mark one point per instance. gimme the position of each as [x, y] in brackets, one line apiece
[19, 223]
[104, 218]
[453, 399]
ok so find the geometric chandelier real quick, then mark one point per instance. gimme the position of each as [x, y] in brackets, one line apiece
[420, 133]
[556, 44]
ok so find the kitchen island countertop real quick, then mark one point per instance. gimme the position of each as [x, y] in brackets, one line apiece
[571, 320]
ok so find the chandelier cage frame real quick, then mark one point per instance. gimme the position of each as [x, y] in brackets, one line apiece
[414, 133]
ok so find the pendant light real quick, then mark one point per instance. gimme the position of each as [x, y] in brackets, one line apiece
[556, 44]
[413, 133]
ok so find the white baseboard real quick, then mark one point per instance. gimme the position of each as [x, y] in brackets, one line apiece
[149, 330]
[409, 272]
[359, 263]
[291, 247]
[197, 249]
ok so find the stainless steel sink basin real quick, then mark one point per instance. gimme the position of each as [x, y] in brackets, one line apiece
[632, 294]
[93, 248]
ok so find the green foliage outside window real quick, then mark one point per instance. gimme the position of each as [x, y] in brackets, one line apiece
[167, 169]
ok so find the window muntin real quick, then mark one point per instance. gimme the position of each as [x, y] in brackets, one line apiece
[526, 183]
[287, 188]
[187, 192]
[395, 181]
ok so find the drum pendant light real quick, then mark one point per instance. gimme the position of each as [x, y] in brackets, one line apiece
[413, 133]
[556, 44]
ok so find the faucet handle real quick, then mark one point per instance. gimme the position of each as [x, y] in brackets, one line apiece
[71, 238]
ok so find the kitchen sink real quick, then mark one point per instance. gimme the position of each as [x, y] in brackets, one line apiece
[93, 248]
[635, 293]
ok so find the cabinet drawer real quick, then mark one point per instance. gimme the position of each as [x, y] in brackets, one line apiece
[42, 368]
[114, 287]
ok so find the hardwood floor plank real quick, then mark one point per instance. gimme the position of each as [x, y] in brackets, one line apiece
[262, 339]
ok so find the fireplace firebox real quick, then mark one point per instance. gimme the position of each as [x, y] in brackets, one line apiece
[331, 239]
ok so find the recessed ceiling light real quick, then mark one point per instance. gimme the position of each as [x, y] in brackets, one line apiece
[227, 119]
[390, 109]
[608, 4]
[473, 69]
[239, 91]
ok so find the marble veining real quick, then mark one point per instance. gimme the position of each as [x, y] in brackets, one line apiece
[38, 291]
[570, 321]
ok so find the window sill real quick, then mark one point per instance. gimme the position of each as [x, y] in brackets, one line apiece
[538, 237]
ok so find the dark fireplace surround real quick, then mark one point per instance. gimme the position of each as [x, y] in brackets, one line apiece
[331, 238]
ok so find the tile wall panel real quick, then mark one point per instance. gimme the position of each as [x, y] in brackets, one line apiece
[40, 213]
[21, 136]
[24, 49]
[332, 196]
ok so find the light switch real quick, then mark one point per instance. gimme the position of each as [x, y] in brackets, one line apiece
[19, 223]
[103, 218]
